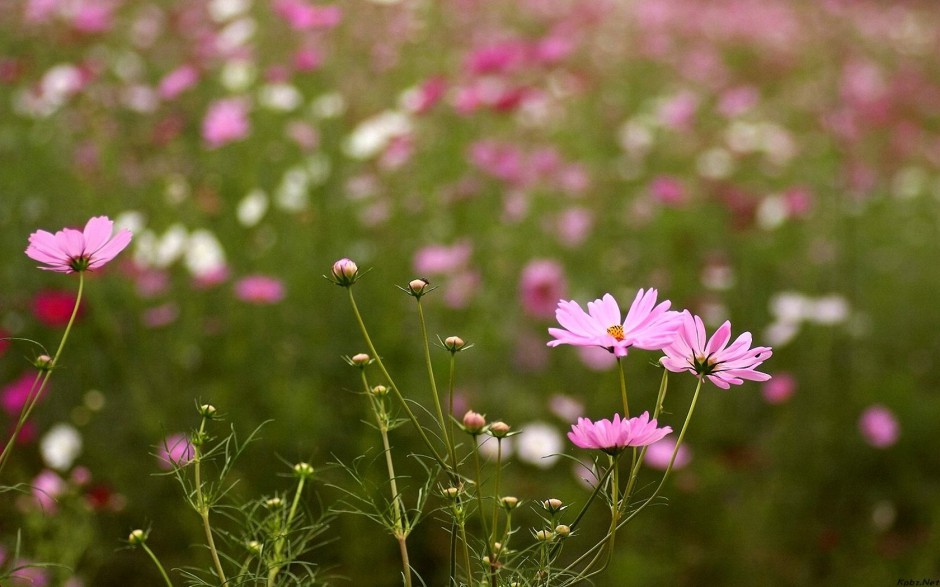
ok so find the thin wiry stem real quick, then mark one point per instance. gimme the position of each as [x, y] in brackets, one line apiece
[202, 506]
[33, 398]
[391, 382]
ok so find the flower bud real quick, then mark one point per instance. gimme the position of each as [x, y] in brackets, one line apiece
[418, 287]
[473, 423]
[360, 360]
[450, 492]
[137, 537]
[345, 272]
[562, 530]
[207, 411]
[497, 546]
[509, 502]
[544, 535]
[499, 429]
[273, 502]
[454, 343]
[303, 470]
[43, 362]
[254, 547]
[553, 506]
[379, 391]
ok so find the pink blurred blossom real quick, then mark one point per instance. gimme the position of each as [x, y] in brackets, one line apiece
[428, 93]
[573, 226]
[552, 49]
[225, 121]
[93, 16]
[307, 59]
[54, 307]
[442, 259]
[259, 289]
[500, 160]
[678, 112]
[160, 316]
[737, 100]
[779, 389]
[460, 289]
[303, 134]
[668, 191]
[596, 358]
[302, 16]
[40, 11]
[541, 284]
[4, 343]
[879, 427]
[660, 452]
[16, 393]
[46, 487]
[799, 202]
[175, 449]
[177, 81]
[497, 58]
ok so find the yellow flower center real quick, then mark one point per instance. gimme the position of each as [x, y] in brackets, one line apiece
[616, 331]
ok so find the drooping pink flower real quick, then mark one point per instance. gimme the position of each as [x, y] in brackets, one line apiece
[647, 325]
[259, 289]
[879, 427]
[54, 307]
[614, 436]
[225, 122]
[541, 285]
[70, 250]
[723, 365]
[176, 450]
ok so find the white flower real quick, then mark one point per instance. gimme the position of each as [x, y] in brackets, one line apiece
[539, 444]
[60, 446]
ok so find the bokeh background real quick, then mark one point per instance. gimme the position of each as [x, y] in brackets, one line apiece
[771, 162]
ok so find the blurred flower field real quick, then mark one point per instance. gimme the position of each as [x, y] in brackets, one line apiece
[775, 163]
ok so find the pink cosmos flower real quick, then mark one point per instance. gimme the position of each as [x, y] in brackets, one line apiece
[647, 326]
[723, 365]
[259, 289]
[225, 122]
[779, 389]
[879, 427]
[70, 250]
[614, 436]
[47, 486]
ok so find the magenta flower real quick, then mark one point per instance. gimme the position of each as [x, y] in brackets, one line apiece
[259, 289]
[70, 250]
[614, 436]
[175, 451]
[723, 365]
[226, 121]
[879, 427]
[541, 284]
[647, 326]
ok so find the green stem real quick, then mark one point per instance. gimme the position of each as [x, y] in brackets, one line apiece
[479, 492]
[156, 561]
[496, 506]
[450, 407]
[597, 489]
[623, 389]
[672, 460]
[635, 468]
[398, 508]
[202, 505]
[437, 400]
[391, 382]
[279, 543]
[33, 399]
